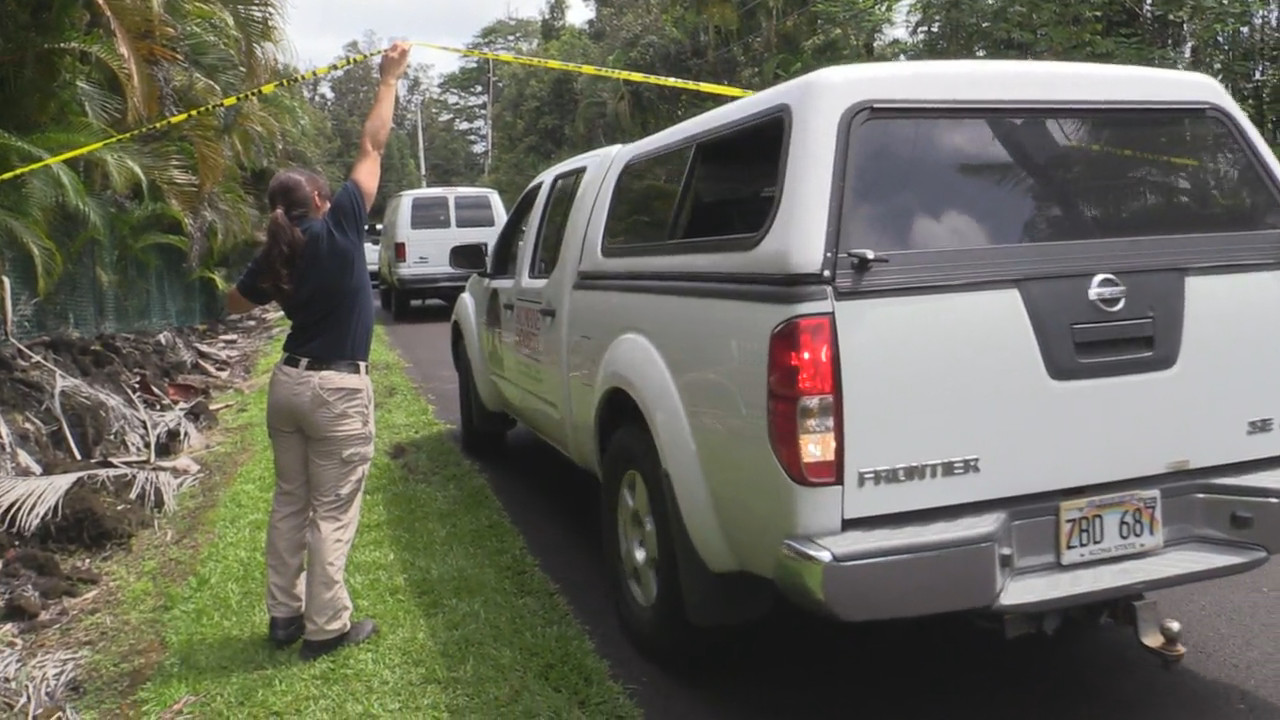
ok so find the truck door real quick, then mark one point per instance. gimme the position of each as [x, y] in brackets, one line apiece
[496, 304]
[540, 325]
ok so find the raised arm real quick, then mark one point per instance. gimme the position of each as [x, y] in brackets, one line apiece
[367, 170]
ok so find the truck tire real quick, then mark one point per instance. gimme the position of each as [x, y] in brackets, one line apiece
[384, 297]
[482, 431]
[640, 550]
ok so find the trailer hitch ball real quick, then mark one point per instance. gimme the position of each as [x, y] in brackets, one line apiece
[1162, 637]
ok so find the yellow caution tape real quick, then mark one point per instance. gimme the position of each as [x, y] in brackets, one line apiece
[1190, 162]
[202, 110]
[712, 88]
[627, 75]
[352, 60]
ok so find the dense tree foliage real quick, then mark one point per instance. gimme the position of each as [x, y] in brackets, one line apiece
[78, 70]
[75, 71]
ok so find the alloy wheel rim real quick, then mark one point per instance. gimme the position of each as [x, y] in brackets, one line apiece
[638, 539]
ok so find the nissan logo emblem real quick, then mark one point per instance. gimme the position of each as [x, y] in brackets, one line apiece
[1107, 292]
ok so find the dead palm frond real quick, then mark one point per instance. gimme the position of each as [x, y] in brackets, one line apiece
[27, 503]
[39, 687]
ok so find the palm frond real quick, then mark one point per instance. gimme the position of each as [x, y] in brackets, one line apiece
[154, 238]
[27, 503]
[100, 104]
[215, 275]
[130, 62]
[31, 239]
[39, 687]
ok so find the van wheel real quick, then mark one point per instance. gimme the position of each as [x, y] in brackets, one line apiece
[399, 305]
[639, 549]
[482, 431]
[384, 297]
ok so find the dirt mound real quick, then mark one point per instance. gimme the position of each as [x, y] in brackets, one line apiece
[94, 440]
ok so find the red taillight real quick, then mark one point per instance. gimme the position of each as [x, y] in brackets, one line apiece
[804, 400]
[400, 252]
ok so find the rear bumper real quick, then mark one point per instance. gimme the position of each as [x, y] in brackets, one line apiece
[1005, 559]
[427, 284]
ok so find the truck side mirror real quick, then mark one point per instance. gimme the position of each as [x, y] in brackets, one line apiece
[469, 258]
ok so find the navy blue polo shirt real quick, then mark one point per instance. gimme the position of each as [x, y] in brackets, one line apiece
[331, 308]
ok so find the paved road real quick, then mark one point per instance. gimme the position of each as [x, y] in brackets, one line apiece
[791, 666]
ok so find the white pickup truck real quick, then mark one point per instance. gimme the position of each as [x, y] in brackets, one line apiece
[902, 339]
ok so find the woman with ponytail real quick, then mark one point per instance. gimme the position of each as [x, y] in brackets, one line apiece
[320, 399]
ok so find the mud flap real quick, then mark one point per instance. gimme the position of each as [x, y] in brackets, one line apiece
[713, 599]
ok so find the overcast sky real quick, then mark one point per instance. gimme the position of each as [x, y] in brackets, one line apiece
[319, 28]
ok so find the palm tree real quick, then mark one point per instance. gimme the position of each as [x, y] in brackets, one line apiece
[117, 64]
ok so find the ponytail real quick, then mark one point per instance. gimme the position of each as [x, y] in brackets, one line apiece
[293, 196]
[284, 245]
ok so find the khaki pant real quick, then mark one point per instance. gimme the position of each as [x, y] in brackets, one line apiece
[321, 425]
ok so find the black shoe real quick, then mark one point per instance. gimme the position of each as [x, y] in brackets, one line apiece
[358, 632]
[284, 632]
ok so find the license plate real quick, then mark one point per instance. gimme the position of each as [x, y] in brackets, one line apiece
[1109, 526]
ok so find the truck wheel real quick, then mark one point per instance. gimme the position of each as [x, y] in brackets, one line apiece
[482, 431]
[399, 305]
[384, 297]
[639, 549]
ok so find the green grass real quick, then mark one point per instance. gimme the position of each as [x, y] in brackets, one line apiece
[469, 625]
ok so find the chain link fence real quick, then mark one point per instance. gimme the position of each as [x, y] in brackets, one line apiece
[99, 292]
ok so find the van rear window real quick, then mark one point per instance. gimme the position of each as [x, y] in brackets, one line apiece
[925, 182]
[474, 211]
[429, 213]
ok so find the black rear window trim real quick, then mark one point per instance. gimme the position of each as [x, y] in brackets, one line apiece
[931, 268]
[954, 267]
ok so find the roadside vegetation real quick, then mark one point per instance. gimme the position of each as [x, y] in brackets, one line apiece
[469, 625]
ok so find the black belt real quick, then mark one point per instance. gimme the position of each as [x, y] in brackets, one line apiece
[350, 367]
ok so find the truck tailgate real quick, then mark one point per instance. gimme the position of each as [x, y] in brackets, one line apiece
[952, 397]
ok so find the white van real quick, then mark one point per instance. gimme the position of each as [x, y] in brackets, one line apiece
[420, 227]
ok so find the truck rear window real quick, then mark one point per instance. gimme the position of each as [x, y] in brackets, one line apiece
[429, 213]
[925, 182]
[473, 211]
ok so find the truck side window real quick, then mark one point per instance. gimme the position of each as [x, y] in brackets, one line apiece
[644, 199]
[555, 221]
[733, 183]
[725, 186]
[507, 247]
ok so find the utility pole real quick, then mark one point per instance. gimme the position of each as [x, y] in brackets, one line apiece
[422, 152]
[488, 123]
